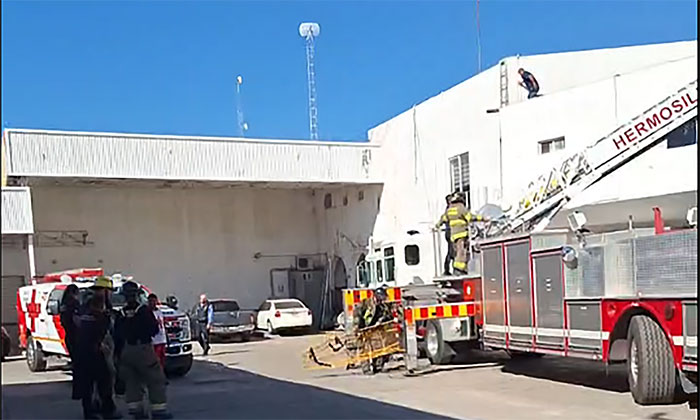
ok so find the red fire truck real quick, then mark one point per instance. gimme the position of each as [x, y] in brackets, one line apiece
[621, 296]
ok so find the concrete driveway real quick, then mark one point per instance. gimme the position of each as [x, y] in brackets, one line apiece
[265, 379]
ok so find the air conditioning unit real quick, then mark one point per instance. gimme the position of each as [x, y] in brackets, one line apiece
[304, 263]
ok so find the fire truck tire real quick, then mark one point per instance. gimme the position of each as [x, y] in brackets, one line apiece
[439, 352]
[35, 356]
[651, 369]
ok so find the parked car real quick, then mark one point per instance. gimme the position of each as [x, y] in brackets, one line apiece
[276, 315]
[6, 344]
[229, 320]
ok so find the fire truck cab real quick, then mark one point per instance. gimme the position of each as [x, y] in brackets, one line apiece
[41, 332]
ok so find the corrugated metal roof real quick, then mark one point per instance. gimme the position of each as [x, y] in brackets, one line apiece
[41, 153]
[17, 211]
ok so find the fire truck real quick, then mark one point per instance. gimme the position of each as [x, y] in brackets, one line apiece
[41, 333]
[625, 296]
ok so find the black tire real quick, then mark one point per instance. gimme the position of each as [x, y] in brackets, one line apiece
[35, 356]
[439, 352]
[181, 371]
[651, 371]
[245, 337]
[270, 329]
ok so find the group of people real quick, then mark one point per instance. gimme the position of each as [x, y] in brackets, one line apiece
[107, 346]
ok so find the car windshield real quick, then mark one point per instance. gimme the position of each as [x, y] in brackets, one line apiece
[118, 300]
[289, 304]
[225, 306]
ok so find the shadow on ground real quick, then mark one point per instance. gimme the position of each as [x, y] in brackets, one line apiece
[214, 391]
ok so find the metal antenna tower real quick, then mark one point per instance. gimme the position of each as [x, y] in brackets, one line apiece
[309, 31]
[242, 125]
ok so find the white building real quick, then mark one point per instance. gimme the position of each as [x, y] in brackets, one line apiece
[230, 217]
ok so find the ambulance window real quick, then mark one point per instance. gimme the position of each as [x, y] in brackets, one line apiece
[411, 254]
[389, 263]
[57, 295]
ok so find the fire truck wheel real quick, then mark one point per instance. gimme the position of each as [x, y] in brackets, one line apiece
[439, 352]
[651, 371]
[35, 356]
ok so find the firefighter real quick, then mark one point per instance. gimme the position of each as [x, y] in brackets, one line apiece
[104, 286]
[371, 312]
[459, 218]
[204, 315]
[450, 256]
[70, 305]
[138, 362]
[92, 369]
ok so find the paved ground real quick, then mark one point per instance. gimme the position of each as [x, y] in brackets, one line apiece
[265, 379]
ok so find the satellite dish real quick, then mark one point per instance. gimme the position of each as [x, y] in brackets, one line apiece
[309, 29]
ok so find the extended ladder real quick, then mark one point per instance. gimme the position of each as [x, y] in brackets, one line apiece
[551, 191]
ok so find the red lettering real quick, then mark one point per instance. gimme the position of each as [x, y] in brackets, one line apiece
[692, 101]
[640, 128]
[629, 135]
[653, 121]
[677, 105]
[661, 113]
[685, 102]
[619, 142]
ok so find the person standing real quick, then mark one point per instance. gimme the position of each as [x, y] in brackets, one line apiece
[529, 82]
[205, 316]
[459, 218]
[92, 364]
[450, 256]
[70, 304]
[159, 340]
[138, 362]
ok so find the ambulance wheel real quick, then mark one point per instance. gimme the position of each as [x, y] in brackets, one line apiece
[439, 352]
[35, 356]
[651, 371]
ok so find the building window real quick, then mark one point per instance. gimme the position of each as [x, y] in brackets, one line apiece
[328, 201]
[459, 175]
[552, 145]
[411, 254]
[684, 135]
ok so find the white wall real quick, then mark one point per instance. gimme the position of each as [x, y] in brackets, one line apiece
[180, 241]
[15, 260]
[587, 113]
[561, 71]
[583, 100]
[344, 230]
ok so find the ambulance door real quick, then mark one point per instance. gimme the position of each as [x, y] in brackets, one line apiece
[46, 331]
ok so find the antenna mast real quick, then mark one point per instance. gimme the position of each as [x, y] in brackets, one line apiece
[309, 31]
[242, 125]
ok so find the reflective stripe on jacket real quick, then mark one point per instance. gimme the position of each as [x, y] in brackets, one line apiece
[459, 218]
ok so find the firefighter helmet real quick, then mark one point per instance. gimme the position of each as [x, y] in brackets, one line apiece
[380, 293]
[458, 197]
[103, 282]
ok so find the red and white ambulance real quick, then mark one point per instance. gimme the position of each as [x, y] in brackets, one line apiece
[41, 333]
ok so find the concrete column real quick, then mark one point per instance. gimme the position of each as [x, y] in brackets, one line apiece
[30, 255]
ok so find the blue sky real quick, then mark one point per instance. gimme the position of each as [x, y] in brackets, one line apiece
[168, 67]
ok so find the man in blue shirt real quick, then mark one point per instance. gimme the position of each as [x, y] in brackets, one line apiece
[204, 316]
[529, 82]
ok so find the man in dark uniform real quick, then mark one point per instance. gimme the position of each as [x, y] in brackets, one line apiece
[450, 256]
[138, 362]
[529, 82]
[204, 315]
[93, 369]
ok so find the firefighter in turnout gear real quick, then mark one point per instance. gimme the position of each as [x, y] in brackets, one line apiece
[138, 363]
[371, 312]
[459, 218]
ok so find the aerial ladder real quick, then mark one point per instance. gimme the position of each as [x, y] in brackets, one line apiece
[555, 188]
